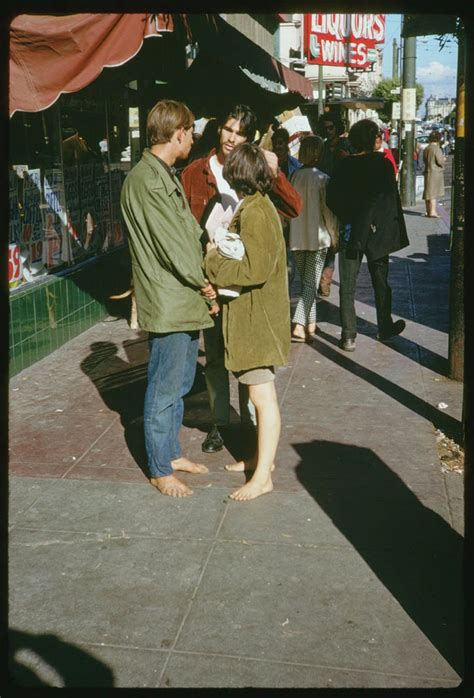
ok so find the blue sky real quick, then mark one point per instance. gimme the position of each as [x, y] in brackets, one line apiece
[435, 69]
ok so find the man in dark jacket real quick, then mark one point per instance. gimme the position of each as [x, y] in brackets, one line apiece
[364, 196]
[205, 186]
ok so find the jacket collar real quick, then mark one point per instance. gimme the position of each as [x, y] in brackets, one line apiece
[170, 183]
[247, 202]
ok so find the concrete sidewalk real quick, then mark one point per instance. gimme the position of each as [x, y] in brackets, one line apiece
[347, 575]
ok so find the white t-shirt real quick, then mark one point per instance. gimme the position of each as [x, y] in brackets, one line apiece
[228, 195]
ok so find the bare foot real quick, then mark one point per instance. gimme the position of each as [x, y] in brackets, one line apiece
[170, 485]
[188, 466]
[251, 490]
[243, 465]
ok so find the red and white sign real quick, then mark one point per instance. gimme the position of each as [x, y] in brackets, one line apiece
[15, 267]
[343, 40]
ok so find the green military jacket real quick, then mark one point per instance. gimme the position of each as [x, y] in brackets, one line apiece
[166, 252]
[256, 324]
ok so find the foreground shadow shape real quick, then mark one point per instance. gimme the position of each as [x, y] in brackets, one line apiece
[412, 550]
[122, 387]
[449, 425]
[45, 660]
[328, 312]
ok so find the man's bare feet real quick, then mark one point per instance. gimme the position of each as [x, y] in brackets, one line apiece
[251, 490]
[243, 465]
[187, 466]
[170, 485]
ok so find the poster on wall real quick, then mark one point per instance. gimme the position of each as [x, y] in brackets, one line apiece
[102, 209]
[73, 211]
[32, 226]
[343, 40]
[89, 228]
[116, 181]
[14, 232]
[14, 221]
[54, 216]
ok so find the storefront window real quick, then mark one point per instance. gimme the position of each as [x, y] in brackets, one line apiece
[67, 167]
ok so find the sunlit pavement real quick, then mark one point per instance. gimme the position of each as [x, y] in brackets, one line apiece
[347, 575]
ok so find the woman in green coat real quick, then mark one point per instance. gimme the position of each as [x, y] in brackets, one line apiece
[256, 323]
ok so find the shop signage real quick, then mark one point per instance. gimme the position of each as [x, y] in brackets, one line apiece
[343, 40]
[15, 271]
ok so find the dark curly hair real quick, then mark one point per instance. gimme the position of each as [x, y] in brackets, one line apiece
[247, 171]
[363, 134]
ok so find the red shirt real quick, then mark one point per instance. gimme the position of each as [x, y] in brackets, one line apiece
[387, 153]
[200, 186]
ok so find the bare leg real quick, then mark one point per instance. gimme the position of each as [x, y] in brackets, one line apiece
[268, 432]
[298, 332]
[428, 206]
[170, 485]
[433, 212]
[187, 466]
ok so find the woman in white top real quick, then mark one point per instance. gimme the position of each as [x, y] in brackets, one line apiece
[312, 233]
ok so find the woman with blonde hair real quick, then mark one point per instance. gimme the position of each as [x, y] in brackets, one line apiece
[312, 234]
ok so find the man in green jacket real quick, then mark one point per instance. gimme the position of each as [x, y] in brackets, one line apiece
[172, 294]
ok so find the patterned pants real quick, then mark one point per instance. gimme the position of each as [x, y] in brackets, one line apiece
[310, 265]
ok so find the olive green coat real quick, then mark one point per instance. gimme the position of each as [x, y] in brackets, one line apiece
[256, 324]
[166, 252]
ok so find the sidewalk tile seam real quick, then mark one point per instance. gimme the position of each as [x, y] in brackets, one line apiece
[193, 596]
[269, 660]
[101, 537]
[77, 462]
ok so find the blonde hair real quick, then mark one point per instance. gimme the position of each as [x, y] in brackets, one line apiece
[311, 149]
[166, 117]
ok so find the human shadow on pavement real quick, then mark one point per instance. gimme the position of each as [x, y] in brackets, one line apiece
[328, 312]
[122, 384]
[449, 425]
[412, 550]
[45, 660]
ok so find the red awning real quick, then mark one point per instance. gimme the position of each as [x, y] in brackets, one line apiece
[294, 81]
[50, 55]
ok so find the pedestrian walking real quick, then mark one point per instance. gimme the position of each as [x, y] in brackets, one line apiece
[171, 291]
[363, 194]
[336, 147]
[433, 159]
[312, 234]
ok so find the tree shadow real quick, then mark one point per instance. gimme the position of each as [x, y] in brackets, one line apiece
[31, 656]
[412, 550]
[449, 425]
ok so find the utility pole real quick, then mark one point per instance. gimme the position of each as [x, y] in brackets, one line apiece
[456, 290]
[408, 96]
[395, 60]
[320, 90]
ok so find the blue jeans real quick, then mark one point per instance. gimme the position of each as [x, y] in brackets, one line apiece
[171, 370]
